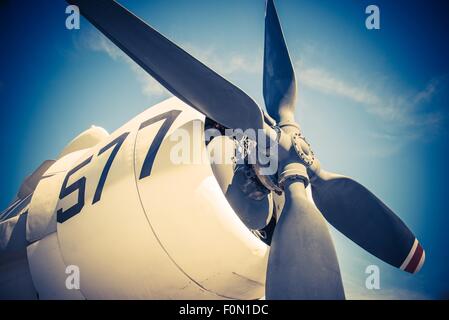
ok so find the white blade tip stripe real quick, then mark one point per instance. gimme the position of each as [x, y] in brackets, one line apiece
[410, 255]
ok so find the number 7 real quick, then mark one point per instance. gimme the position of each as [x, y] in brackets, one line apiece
[117, 143]
[168, 117]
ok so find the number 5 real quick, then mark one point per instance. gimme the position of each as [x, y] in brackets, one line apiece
[79, 185]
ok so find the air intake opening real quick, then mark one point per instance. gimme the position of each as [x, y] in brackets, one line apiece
[250, 200]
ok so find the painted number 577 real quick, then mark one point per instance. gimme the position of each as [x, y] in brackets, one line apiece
[79, 185]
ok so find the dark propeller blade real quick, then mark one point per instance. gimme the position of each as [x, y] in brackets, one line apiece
[362, 217]
[30, 183]
[180, 73]
[302, 263]
[279, 83]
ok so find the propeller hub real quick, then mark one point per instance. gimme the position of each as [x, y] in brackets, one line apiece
[294, 155]
[303, 149]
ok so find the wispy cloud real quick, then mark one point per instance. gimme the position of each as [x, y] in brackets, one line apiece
[325, 82]
[355, 287]
[225, 64]
[149, 86]
[406, 112]
[359, 293]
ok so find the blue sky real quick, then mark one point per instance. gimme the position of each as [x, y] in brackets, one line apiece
[373, 103]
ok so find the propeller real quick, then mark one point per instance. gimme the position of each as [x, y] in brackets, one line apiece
[302, 263]
[347, 205]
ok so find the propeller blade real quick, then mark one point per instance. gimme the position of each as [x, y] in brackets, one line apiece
[302, 262]
[30, 183]
[362, 217]
[179, 72]
[279, 82]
